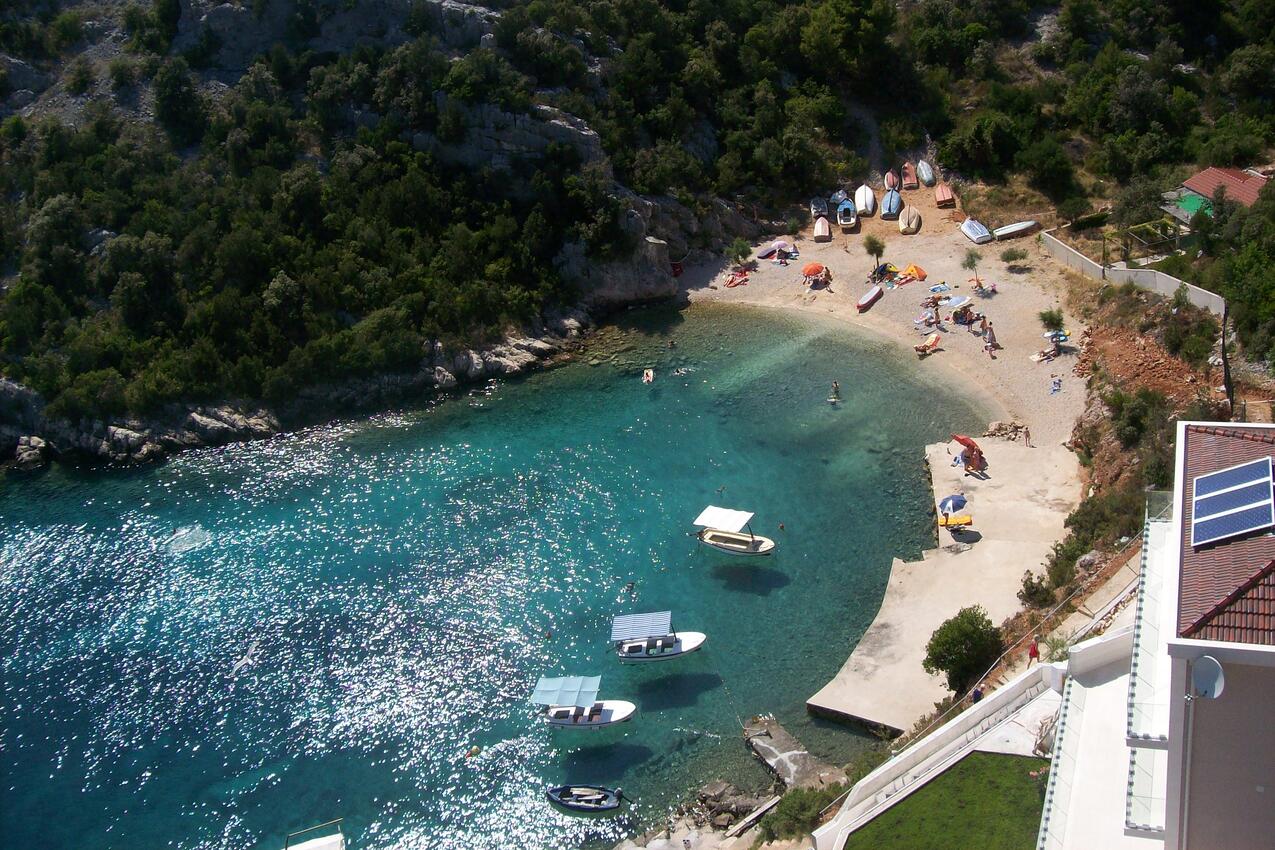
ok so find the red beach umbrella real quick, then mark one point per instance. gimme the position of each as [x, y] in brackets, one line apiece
[812, 269]
[966, 442]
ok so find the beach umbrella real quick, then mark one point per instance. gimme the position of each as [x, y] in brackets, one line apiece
[951, 504]
[966, 442]
[812, 269]
[780, 245]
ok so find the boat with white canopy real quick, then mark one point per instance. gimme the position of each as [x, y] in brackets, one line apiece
[571, 702]
[325, 836]
[650, 637]
[724, 529]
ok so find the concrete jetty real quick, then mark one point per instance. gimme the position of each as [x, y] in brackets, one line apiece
[786, 757]
[1018, 513]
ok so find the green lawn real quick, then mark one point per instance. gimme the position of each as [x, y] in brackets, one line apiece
[985, 801]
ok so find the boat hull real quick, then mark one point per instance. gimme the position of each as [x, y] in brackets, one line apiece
[891, 205]
[1018, 228]
[585, 799]
[909, 176]
[865, 200]
[685, 644]
[605, 712]
[909, 221]
[823, 231]
[733, 543]
[976, 232]
[925, 173]
[891, 180]
[944, 197]
[869, 298]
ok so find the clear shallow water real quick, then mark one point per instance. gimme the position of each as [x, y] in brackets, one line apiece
[237, 644]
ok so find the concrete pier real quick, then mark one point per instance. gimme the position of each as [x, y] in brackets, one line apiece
[786, 757]
[1018, 513]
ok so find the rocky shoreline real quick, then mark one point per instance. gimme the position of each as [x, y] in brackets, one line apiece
[29, 440]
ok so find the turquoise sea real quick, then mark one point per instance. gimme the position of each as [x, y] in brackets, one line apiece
[245, 642]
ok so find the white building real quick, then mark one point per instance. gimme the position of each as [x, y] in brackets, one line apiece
[1146, 756]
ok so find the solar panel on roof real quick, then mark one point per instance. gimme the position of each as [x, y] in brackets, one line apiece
[1232, 501]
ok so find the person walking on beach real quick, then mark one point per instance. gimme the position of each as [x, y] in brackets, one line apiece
[982, 326]
[990, 345]
[1033, 651]
[1027, 436]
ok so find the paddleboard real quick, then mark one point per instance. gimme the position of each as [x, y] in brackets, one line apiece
[955, 520]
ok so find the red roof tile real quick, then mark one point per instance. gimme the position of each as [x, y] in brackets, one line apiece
[1240, 185]
[1227, 588]
[1246, 616]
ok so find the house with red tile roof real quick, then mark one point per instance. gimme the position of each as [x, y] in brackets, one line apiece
[1240, 186]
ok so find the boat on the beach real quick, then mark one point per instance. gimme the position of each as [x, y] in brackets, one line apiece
[976, 231]
[587, 799]
[823, 230]
[891, 179]
[837, 197]
[943, 196]
[952, 302]
[724, 529]
[925, 172]
[1018, 228]
[909, 220]
[650, 637]
[909, 176]
[818, 207]
[571, 702]
[869, 298]
[865, 200]
[846, 215]
[891, 204]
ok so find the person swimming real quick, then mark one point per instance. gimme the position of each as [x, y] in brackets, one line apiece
[648, 376]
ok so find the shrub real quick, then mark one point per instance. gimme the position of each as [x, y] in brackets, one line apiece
[1035, 591]
[178, 105]
[1052, 319]
[1132, 414]
[1073, 208]
[79, 76]
[738, 250]
[963, 647]
[797, 813]
[1010, 256]
[123, 73]
[65, 30]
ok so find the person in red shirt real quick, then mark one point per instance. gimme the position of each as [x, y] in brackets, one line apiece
[1033, 652]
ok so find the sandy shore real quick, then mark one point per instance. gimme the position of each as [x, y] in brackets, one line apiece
[1018, 509]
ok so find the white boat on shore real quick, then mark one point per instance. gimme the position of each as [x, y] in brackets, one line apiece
[571, 702]
[650, 637]
[865, 200]
[976, 231]
[729, 531]
[1018, 228]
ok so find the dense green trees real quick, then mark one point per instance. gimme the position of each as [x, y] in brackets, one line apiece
[963, 647]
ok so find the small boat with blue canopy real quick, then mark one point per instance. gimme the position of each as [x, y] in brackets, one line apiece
[650, 637]
[846, 215]
[722, 529]
[571, 702]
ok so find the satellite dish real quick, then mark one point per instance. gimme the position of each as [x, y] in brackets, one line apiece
[1207, 678]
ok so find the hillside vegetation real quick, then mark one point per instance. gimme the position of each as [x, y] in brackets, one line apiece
[288, 230]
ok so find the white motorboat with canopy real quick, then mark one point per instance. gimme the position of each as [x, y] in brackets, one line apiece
[571, 702]
[650, 637]
[325, 836]
[722, 529]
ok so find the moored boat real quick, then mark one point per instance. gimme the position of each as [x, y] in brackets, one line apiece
[925, 172]
[650, 637]
[869, 298]
[588, 799]
[571, 702]
[891, 204]
[729, 531]
[1018, 228]
[823, 230]
[909, 220]
[944, 197]
[891, 179]
[909, 176]
[846, 215]
[818, 207]
[865, 200]
[325, 836]
[975, 231]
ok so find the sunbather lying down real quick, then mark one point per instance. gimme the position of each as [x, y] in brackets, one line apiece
[930, 345]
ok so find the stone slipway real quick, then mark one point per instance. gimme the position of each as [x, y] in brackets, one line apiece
[1018, 514]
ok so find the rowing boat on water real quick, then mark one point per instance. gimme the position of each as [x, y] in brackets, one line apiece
[724, 529]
